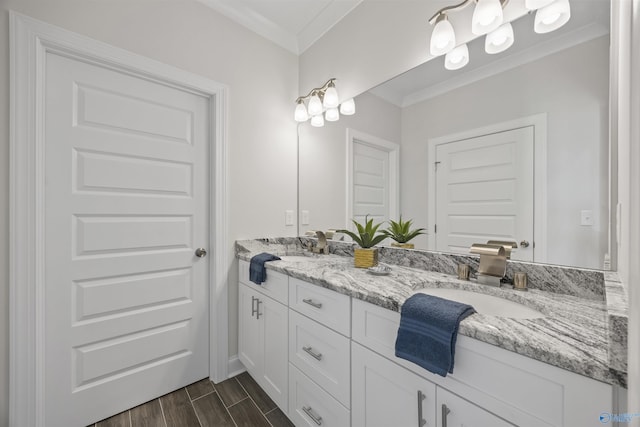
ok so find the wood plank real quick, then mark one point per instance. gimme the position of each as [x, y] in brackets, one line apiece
[200, 388]
[259, 396]
[119, 420]
[178, 410]
[247, 414]
[212, 412]
[148, 415]
[277, 418]
[230, 391]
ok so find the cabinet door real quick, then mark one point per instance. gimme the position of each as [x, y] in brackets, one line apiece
[453, 411]
[385, 394]
[273, 316]
[250, 334]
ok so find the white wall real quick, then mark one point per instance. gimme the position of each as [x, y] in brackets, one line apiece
[323, 162]
[575, 97]
[263, 81]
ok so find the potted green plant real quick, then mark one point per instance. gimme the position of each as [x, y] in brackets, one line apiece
[402, 233]
[367, 237]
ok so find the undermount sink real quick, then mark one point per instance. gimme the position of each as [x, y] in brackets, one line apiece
[305, 256]
[486, 304]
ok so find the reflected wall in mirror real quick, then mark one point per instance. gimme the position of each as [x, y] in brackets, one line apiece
[520, 141]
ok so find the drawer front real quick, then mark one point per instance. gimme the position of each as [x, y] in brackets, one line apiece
[322, 305]
[276, 286]
[322, 354]
[311, 406]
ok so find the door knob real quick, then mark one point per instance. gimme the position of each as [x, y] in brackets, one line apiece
[201, 252]
[524, 244]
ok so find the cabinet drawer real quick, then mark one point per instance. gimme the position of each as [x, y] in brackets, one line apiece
[322, 305]
[276, 286]
[311, 406]
[322, 354]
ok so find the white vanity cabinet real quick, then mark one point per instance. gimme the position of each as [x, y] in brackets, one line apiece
[263, 334]
[319, 355]
[386, 394]
[489, 387]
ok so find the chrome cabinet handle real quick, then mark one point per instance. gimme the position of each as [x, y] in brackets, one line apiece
[421, 397]
[258, 308]
[445, 412]
[254, 310]
[524, 244]
[316, 418]
[309, 350]
[201, 252]
[312, 303]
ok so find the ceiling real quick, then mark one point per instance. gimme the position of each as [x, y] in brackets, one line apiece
[292, 24]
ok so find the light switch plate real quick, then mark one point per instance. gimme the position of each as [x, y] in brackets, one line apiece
[586, 217]
[305, 218]
[288, 217]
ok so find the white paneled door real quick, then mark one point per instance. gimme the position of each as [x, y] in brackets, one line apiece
[484, 191]
[126, 298]
[374, 180]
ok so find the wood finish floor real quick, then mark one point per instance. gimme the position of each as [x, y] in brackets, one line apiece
[236, 402]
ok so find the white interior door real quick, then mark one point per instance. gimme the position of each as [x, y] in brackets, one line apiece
[126, 299]
[484, 191]
[373, 177]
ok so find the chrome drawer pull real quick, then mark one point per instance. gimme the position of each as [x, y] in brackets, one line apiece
[421, 397]
[445, 412]
[309, 350]
[254, 310]
[316, 418]
[312, 303]
[258, 308]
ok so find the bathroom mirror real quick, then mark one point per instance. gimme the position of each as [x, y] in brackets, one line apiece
[514, 146]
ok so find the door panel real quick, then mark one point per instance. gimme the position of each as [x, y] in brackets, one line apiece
[484, 191]
[126, 300]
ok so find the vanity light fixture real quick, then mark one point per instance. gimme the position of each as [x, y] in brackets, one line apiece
[325, 100]
[488, 19]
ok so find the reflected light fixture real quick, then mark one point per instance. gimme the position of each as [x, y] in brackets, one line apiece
[323, 100]
[488, 19]
[457, 58]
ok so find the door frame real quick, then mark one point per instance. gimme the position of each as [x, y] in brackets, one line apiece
[394, 170]
[30, 41]
[539, 123]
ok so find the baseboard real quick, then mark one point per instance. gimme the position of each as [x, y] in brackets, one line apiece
[235, 366]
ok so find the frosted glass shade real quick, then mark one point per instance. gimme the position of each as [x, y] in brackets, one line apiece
[457, 58]
[317, 121]
[500, 39]
[348, 107]
[443, 38]
[487, 16]
[300, 114]
[552, 17]
[332, 115]
[315, 105]
[536, 4]
[330, 99]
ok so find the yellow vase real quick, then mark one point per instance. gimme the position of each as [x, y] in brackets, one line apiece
[402, 245]
[365, 258]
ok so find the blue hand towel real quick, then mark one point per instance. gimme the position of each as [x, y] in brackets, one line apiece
[257, 270]
[428, 331]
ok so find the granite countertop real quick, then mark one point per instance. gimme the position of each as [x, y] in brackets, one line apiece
[573, 335]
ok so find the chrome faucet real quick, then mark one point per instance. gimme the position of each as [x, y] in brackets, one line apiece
[322, 247]
[493, 260]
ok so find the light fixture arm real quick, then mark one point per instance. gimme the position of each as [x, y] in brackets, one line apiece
[465, 3]
[318, 90]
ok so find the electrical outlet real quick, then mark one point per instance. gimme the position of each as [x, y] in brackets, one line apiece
[288, 217]
[586, 217]
[305, 217]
